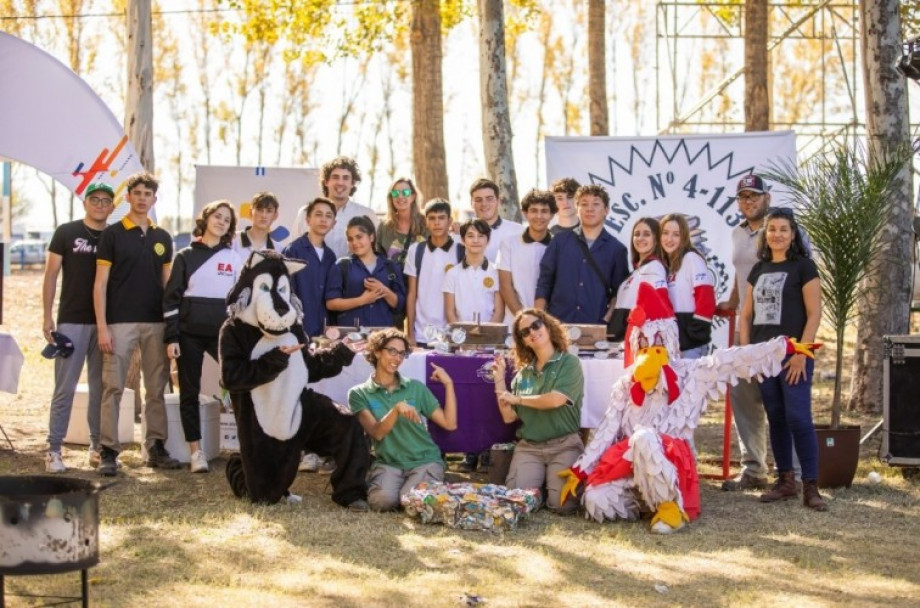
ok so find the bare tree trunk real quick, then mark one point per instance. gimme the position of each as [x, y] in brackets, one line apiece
[597, 68]
[496, 118]
[756, 66]
[428, 152]
[139, 103]
[886, 309]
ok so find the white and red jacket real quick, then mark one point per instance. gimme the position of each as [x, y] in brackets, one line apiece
[692, 293]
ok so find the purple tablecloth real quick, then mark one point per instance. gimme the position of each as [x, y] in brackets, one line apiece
[479, 424]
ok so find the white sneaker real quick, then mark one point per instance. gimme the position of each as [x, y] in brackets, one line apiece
[54, 463]
[198, 462]
[309, 463]
[327, 467]
[293, 499]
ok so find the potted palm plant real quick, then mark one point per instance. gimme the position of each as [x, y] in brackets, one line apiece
[840, 198]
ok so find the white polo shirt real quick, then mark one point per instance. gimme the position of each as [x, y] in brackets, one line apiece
[474, 290]
[521, 257]
[336, 240]
[429, 305]
[500, 231]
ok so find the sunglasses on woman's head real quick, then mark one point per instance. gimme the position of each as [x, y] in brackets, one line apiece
[404, 192]
[525, 331]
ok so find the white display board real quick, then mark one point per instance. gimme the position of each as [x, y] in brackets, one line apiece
[293, 187]
[691, 174]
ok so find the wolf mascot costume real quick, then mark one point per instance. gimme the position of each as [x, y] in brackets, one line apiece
[277, 416]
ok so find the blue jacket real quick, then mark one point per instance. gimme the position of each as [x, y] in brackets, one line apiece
[310, 283]
[353, 270]
[572, 290]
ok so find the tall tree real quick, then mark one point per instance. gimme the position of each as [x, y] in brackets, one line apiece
[597, 68]
[886, 309]
[496, 117]
[428, 152]
[139, 103]
[756, 66]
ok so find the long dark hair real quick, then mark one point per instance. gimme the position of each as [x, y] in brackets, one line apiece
[656, 237]
[796, 248]
[365, 225]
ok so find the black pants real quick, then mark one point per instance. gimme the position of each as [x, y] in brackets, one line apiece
[266, 467]
[192, 349]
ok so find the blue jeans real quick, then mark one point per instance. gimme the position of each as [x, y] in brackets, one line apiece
[788, 410]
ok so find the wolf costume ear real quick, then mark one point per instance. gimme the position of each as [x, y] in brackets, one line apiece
[259, 256]
[294, 265]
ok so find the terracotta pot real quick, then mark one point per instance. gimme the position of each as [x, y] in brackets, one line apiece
[838, 455]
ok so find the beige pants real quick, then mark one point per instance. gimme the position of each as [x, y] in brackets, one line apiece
[536, 464]
[126, 337]
[385, 484]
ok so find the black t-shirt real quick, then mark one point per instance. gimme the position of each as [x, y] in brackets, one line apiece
[76, 243]
[779, 306]
[135, 288]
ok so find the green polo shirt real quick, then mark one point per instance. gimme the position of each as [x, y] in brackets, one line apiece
[408, 444]
[137, 258]
[561, 374]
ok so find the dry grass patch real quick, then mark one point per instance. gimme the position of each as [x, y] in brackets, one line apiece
[169, 538]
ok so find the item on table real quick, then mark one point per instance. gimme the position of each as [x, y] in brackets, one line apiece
[587, 335]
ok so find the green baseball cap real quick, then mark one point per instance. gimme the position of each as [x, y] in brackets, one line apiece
[100, 186]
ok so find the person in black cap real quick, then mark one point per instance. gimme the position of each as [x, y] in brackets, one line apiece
[73, 251]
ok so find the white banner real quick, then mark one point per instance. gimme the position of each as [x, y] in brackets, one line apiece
[53, 121]
[691, 174]
[293, 187]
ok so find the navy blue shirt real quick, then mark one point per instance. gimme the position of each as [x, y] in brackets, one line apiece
[309, 284]
[572, 290]
[376, 314]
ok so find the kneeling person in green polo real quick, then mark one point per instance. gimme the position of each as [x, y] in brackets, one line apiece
[394, 411]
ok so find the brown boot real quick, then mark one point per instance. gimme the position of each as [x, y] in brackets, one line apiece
[810, 496]
[783, 489]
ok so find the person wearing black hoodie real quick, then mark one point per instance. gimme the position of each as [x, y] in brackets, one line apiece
[194, 308]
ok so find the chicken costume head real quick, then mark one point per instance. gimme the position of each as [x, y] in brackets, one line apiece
[652, 340]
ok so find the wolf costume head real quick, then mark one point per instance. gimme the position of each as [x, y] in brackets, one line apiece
[262, 296]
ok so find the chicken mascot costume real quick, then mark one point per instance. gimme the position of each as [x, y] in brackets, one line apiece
[265, 365]
[641, 457]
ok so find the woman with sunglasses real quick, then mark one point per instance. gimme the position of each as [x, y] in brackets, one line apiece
[545, 395]
[646, 256]
[403, 226]
[691, 286]
[784, 299]
[394, 412]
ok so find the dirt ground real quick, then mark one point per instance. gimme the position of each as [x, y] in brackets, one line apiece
[169, 538]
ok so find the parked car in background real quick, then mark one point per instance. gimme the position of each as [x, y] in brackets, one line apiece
[28, 251]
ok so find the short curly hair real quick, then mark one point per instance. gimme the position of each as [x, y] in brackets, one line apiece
[378, 340]
[142, 178]
[340, 162]
[593, 190]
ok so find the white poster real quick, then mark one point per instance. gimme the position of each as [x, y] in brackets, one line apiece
[53, 121]
[293, 187]
[691, 174]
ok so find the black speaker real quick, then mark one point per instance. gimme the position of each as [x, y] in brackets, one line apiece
[901, 386]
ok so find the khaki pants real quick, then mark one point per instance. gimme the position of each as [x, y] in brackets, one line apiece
[536, 464]
[385, 484]
[126, 337]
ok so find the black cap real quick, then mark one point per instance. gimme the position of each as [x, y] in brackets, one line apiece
[62, 347]
[751, 183]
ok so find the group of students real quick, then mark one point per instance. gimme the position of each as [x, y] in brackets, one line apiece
[416, 269]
